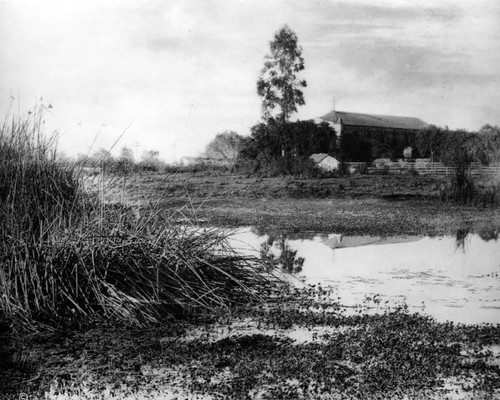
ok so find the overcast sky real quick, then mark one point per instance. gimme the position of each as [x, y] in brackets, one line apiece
[179, 72]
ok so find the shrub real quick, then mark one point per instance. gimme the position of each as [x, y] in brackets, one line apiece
[462, 189]
[459, 149]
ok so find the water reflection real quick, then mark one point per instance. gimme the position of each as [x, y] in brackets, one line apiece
[489, 233]
[486, 233]
[461, 236]
[452, 277]
[289, 234]
[286, 259]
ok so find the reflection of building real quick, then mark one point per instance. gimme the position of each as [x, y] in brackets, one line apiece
[333, 240]
[342, 242]
[384, 135]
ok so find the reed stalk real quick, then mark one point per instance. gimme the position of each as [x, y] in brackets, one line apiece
[69, 257]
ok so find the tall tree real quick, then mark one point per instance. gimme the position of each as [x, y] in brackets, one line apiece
[224, 146]
[300, 140]
[278, 84]
[429, 142]
[490, 137]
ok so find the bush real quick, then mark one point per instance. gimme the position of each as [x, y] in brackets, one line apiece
[276, 149]
[463, 148]
[283, 166]
[463, 190]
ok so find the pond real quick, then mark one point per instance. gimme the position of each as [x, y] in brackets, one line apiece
[451, 278]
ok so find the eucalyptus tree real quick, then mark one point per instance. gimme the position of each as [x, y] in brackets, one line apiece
[278, 84]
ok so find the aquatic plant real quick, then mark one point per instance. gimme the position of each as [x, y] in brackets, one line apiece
[391, 355]
[36, 191]
[249, 353]
[69, 257]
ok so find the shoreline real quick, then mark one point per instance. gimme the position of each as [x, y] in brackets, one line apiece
[254, 352]
[367, 216]
[354, 205]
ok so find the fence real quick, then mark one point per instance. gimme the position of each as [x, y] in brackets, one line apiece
[430, 168]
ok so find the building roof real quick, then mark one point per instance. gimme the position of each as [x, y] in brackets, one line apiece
[381, 121]
[318, 157]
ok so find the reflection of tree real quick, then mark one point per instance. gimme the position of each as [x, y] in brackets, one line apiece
[486, 233]
[461, 236]
[489, 233]
[287, 258]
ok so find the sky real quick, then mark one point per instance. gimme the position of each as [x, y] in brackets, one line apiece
[170, 75]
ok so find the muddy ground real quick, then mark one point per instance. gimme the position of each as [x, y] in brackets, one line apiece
[355, 205]
[303, 345]
[296, 348]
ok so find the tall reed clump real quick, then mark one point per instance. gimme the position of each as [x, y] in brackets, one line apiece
[35, 191]
[463, 188]
[459, 149]
[67, 257]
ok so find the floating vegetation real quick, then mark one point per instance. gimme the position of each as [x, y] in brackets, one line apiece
[394, 355]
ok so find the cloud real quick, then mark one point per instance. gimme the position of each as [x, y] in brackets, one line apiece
[406, 60]
[181, 71]
[405, 11]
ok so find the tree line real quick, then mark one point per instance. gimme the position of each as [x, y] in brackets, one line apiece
[124, 163]
[278, 146]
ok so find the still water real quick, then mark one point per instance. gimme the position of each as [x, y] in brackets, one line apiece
[451, 278]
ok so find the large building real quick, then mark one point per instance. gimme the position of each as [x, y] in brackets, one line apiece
[378, 135]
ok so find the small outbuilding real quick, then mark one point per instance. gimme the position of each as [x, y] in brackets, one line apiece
[325, 161]
[407, 152]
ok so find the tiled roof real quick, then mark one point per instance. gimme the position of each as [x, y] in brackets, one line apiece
[381, 121]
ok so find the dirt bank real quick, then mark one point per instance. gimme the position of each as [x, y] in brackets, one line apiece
[360, 204]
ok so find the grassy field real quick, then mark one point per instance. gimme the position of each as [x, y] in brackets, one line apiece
[357, 205]
[299, 344]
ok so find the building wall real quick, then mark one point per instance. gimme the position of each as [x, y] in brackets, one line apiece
[384, 142]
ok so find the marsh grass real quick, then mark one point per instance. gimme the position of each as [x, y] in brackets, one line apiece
[36, 192]
[464, 189]
[68, 257]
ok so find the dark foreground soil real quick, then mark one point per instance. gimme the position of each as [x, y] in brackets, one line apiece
[293, 349]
